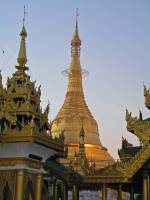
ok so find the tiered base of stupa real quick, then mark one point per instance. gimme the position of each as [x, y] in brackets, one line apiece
[94, 153]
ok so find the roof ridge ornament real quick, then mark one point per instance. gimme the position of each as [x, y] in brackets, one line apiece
[22, 58]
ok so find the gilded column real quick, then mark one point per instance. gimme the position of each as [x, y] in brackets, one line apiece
[56, 191]
[104, 192]
[145, 186]
[38, 187]
[75, 192]
[120, 192]
[19, 188]
[53, 190]
[64, 191]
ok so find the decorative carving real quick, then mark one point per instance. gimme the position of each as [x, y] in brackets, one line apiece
[7, 180]
[80, 163]
[138, 127]
[20, 111]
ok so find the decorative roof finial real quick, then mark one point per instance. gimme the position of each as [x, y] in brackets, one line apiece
[22, 58]
[76, 42]
[24, 15]
[77, 15]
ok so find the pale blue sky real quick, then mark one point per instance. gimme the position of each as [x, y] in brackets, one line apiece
[115, 50]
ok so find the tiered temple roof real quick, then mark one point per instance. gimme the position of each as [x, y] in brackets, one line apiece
[21, 116]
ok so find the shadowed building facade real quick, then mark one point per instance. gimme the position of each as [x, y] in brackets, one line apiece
[75, 114]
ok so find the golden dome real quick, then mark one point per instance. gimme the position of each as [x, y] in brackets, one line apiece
[75, 114]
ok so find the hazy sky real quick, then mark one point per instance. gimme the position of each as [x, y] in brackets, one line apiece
[115, 50]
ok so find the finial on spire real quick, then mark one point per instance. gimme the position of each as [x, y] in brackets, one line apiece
[76, 42]
[22, 58]
[77, 15]
[24, 15]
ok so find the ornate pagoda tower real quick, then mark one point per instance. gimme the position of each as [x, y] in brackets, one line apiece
[25, 140]
[75, 114]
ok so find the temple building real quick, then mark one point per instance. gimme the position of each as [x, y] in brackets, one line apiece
[132, 172]
[26, 145]
[43, 161]
[75, 114]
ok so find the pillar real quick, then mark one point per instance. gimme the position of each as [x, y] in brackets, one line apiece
[104, 193]
[52, 194]
[132, 193]
[148, 187]
[119, 192]
[100, 192]
[19, 188]
[145, 186]
[38, 187]
[56, 191]
[64, 191]
[75, 192]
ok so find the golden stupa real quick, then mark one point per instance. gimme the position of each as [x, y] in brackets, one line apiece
[75, 114]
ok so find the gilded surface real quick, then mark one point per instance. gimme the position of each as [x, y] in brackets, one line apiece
[80, 163]
[134, 164]
[21, 116]
[75, 113]
[7, 176]
[9, 162]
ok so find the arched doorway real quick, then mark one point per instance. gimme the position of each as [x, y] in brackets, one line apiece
[7, 194]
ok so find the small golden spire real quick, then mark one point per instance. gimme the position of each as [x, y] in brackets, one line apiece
[81, 142]
[22, 58]
[76, 42]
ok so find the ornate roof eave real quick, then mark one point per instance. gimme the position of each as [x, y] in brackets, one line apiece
[120, 172]
[138, 127]
[98, 179]
[130, 167]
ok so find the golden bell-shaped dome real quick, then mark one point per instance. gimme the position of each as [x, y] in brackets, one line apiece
[75, 113]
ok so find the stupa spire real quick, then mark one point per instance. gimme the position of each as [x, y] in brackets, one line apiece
[75, 114]
[75, 70]
[22, 57]
[76, 42]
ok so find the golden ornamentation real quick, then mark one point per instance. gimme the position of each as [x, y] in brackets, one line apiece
[22, 120]
[7, 176]
[13, 161]
[75, 113]
[21, 116]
